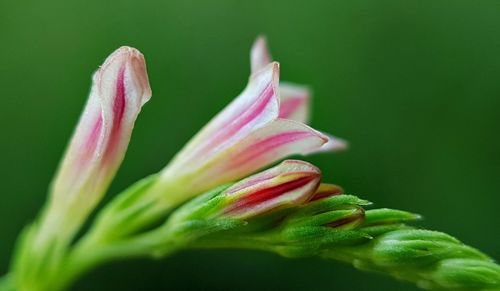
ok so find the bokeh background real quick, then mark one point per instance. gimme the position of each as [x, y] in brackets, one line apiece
[413, 85]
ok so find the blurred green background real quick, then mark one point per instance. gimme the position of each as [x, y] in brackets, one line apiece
[413, 85]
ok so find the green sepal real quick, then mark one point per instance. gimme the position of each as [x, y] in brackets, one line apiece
[325, 217]
[183, 234]
[327, 204]
[201, 207]
[115, 218]
[377, 230]
[309, 240]
[388, 216]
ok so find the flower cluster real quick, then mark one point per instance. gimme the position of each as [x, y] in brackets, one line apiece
[212, 194]
[264, 124]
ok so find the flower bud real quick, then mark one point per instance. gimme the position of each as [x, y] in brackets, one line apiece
[317, 225]
[119, 89]
[382, 220]
[289, 184]
[348, 218]
[329, 210]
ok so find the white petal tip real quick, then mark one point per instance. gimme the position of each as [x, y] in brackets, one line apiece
[335, 144]
[259, 55]
[132, 61]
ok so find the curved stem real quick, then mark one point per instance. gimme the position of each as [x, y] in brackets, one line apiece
[91, 253]
[233, 242]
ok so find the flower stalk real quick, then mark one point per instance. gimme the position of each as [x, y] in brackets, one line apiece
[284, 209]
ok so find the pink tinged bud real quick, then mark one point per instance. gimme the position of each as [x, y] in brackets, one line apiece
[119, 89]
[289, 184]
[277, 140]
[327, 190]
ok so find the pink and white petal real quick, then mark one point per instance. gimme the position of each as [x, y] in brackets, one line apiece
[277, 140]
[255, 107]
[260, 56]
[285, 171]
[294, 102]
[294, 99]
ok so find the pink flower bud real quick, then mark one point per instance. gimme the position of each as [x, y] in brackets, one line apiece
[289, 184]
[119, 89]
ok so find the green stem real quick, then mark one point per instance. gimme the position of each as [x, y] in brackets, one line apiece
[248, 242]
[138, 207]
[90, 253]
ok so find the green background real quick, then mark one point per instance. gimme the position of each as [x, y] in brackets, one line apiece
[413, 85]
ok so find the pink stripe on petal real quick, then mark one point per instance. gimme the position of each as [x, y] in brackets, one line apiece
[289, 106]
[288, 184]
[269, 144]
[119, 104]
[255, 107]
[91, 143]
[262, 147]
[94, 135]
[251, 181]
[224, 133]
[285, 169]
[295, 101]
